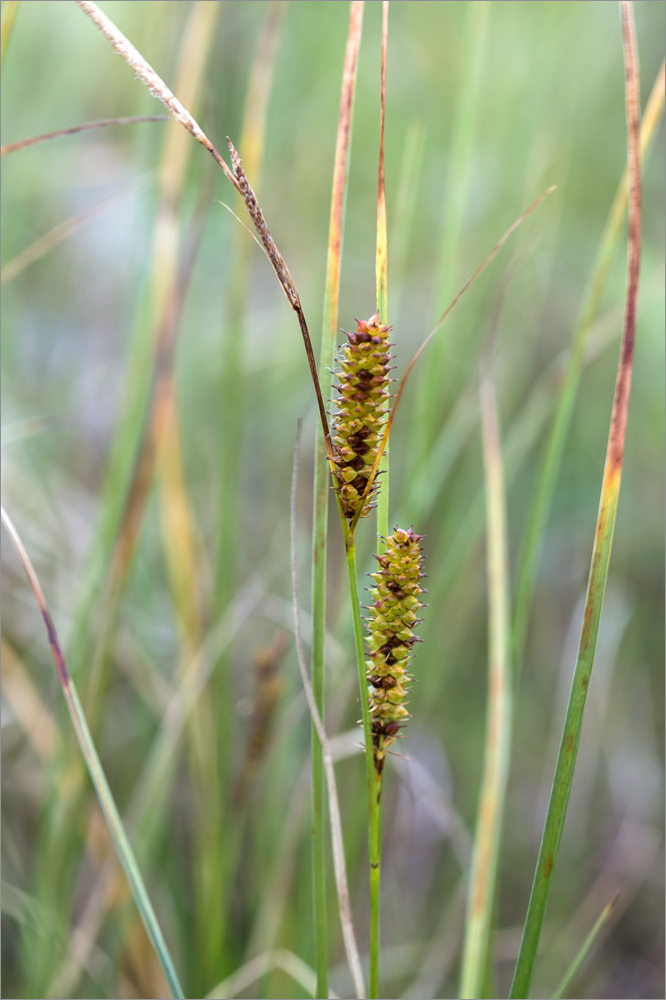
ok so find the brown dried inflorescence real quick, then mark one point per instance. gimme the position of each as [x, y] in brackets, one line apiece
[393, 616]
[362, 412]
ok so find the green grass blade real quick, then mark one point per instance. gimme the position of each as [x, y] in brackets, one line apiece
[322, 476]
[603, 538]
[462, 146]
[552, 460]
[564, 987]
[342, 883]
[93, 763]
[483, 878]
[374, 780]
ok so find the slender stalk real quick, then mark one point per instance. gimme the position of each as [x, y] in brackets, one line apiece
[483, 880]
[334, 807]
[322, 477]
[564, 987]
[374, 779]
[375, 782]
[554, 451]
[458, 185]
[603, 538]
[381, 277]
[13, 147]
[94, 765]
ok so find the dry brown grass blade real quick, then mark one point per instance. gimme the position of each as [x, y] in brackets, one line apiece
[13, 147]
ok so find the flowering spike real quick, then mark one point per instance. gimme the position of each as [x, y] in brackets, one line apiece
[391, 638]
[362, 411]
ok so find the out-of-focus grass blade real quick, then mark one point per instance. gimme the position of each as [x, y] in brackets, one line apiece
[54, 237]
[322, 475]
[483, 876]
[405, 206]
[610, 488]
[14, 147]
[458, 184]
[565, 985]
[554, 451]
[9, 12]
[232, 403]
[258, 967]
[96, 772]
[341, 880]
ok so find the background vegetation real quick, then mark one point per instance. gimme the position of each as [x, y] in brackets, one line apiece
[222, 836]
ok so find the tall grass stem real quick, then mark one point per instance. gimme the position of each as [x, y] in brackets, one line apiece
[603, 538]
[94, 765]
[322, 479]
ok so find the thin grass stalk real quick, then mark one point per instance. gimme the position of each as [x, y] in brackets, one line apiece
[372, 776]
[112, 554]
[14, 147]
[63, 230]
[163, 443]
[375, 786]
[482, 889]
[603, 538]
[151, 790]
[564, 988]
[322, 476]
[94, 766]
[334, 807]
[408, 187]
[260, 966]
[232, 413]
[462, 151]
[253, 136]
[381, 275]
[554, 451]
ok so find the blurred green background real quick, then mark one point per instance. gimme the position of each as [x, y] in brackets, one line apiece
[76, 367]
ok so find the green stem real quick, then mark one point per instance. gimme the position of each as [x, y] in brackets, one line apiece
[373, 778]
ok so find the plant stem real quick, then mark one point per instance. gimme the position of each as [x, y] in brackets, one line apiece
[374, 779]
[322, 480]
[603, 539]
[483, 878]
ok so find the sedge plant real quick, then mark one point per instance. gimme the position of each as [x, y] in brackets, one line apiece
[351, 464]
